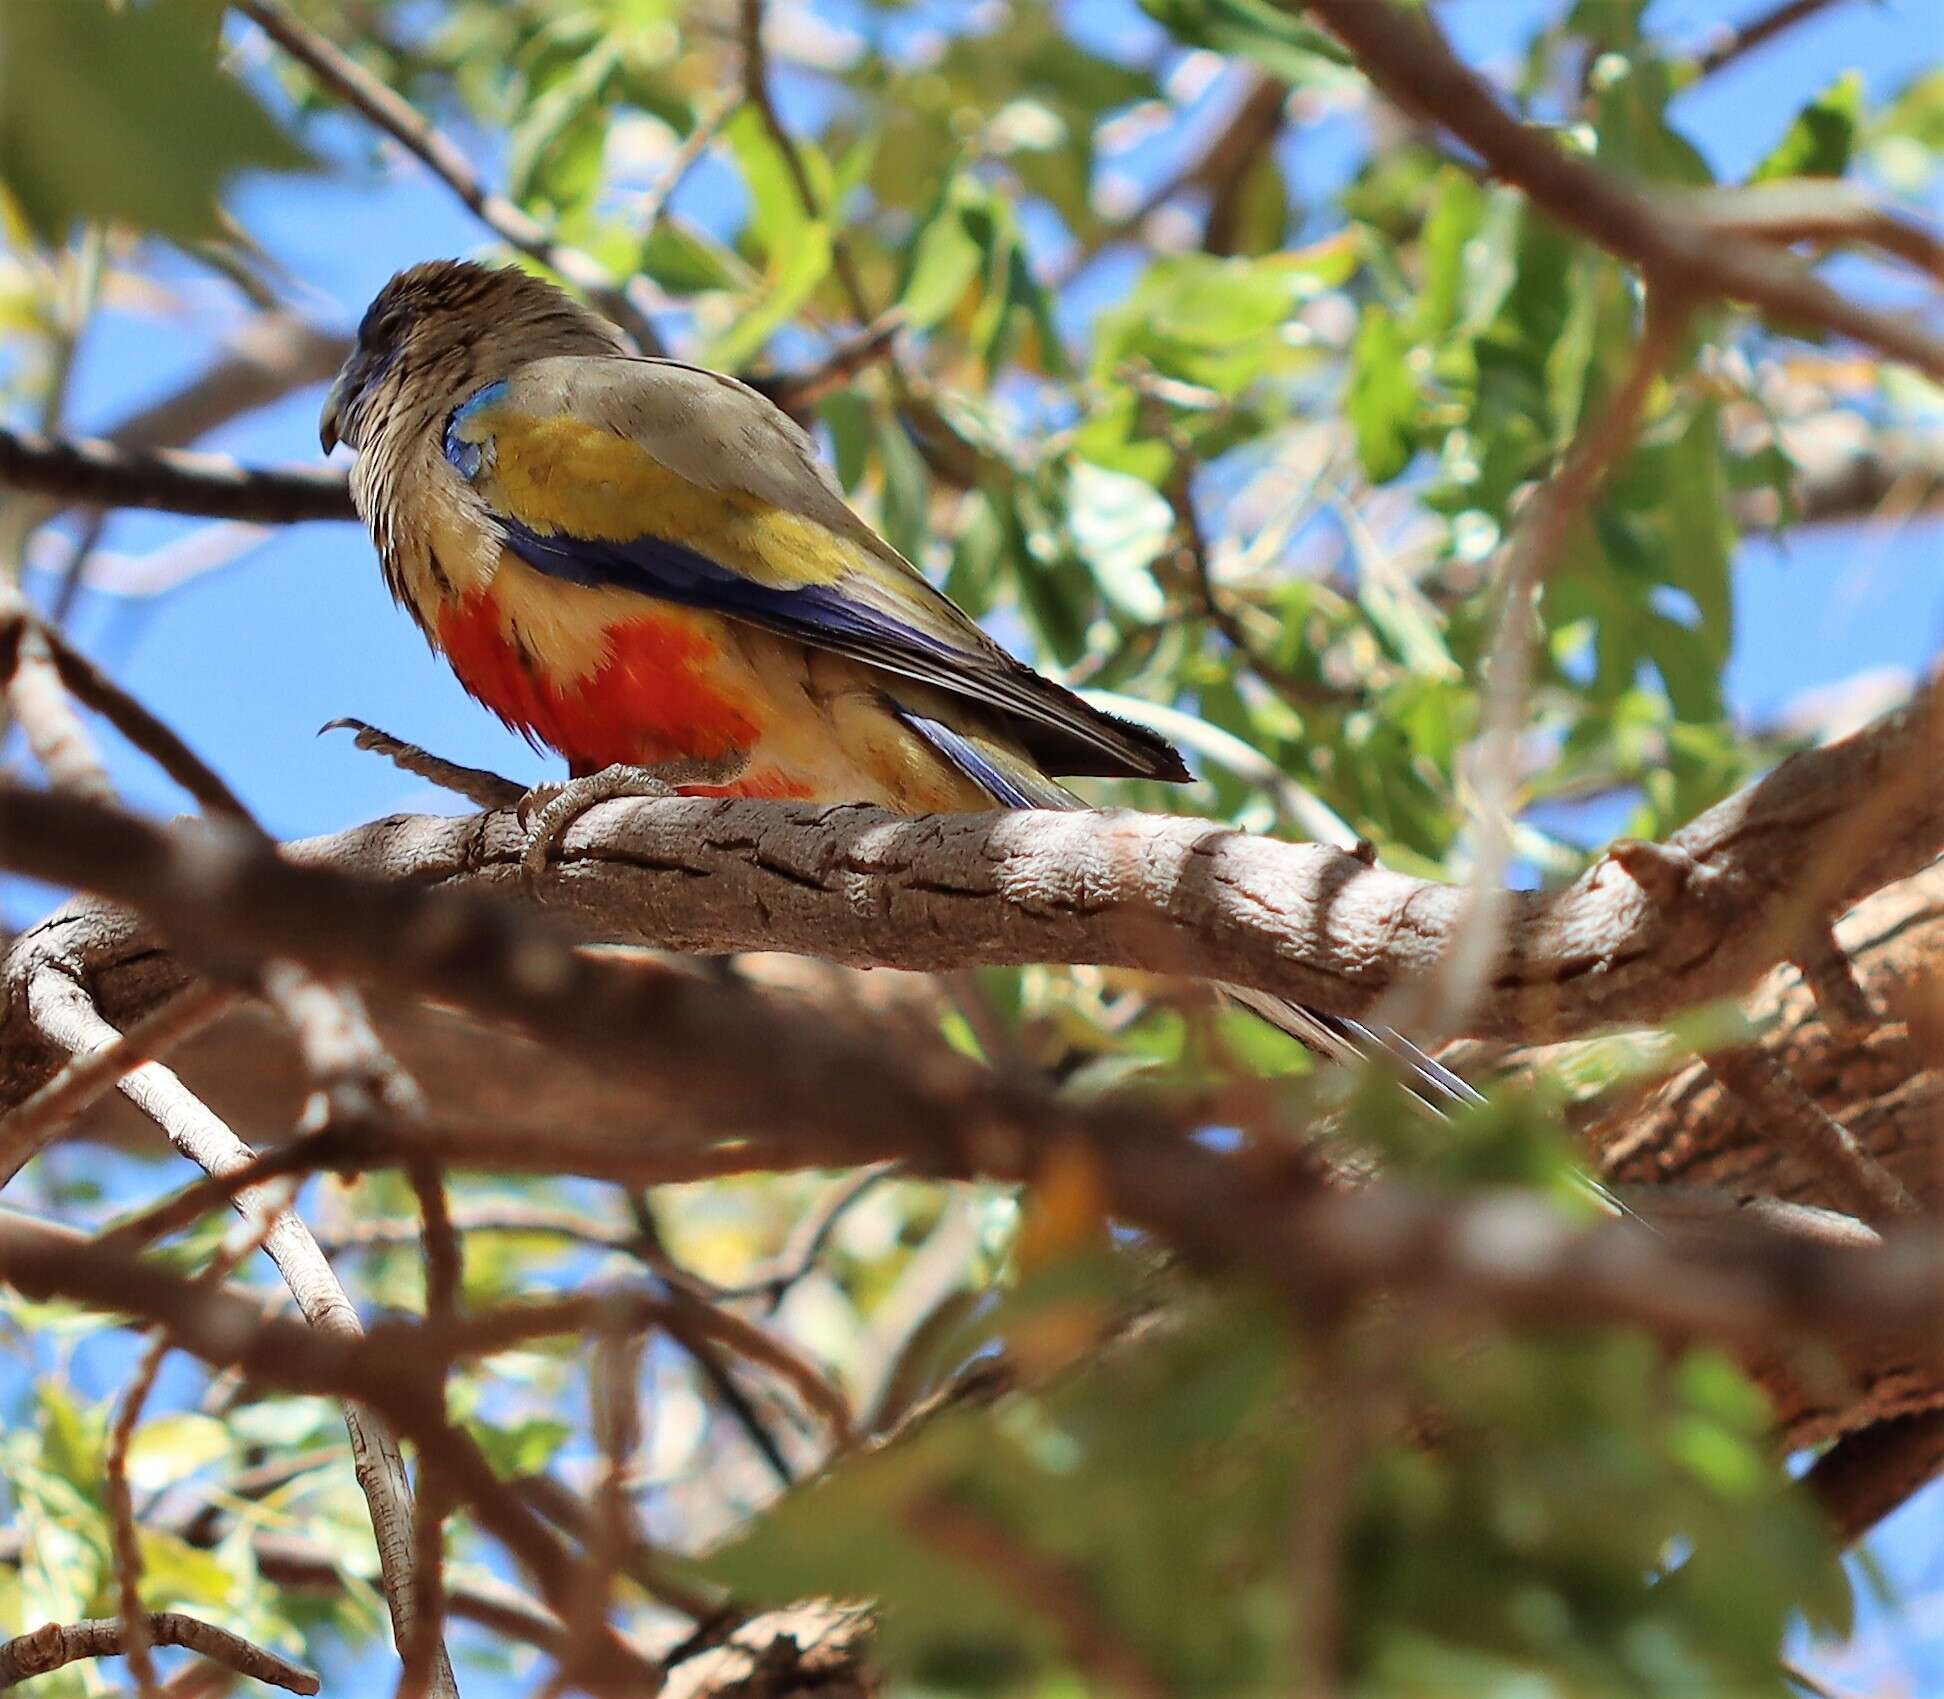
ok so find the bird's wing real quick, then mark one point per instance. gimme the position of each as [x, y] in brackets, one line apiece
[688, 486]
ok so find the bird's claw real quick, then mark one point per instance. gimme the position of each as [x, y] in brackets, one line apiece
[546, 811]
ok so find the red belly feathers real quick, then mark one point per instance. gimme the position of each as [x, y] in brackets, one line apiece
[651, 702]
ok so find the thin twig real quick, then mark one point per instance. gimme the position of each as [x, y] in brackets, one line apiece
[444, 1257]
[385, 1373]
[40, 704]
[54, 1645]
[505, 1150]
[613, 1384]
[710, 1362]
[810, 1239]
[148, 732]
[1741, 39]
[1538, 542]
[1820, 211]
[121, 1516]
[1829, 973]
[136, 1639]
[707, 126]
[420, 1657]
[1179, 491]
[798, 391]
[361, 1091]
[756, 91]
[641, 1562]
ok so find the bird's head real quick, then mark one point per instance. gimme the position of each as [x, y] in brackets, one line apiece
[437, 330]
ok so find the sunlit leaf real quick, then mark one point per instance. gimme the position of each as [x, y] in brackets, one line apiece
[1121, 525]
[1819, 142]
[1276, 39]
[1382, 401]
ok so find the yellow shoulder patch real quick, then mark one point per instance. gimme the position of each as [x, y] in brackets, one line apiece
[563, 476]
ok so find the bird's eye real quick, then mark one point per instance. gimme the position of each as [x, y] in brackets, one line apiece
[382, 329]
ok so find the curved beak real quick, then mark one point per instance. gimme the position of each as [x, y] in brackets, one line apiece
[331, 418]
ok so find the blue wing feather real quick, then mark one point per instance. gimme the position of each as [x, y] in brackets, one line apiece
[674, 572]
[971, 760]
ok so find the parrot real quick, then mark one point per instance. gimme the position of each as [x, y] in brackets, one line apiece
[646, 567]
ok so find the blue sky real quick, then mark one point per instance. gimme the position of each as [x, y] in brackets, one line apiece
[249, 660]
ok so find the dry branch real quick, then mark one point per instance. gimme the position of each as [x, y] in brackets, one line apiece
[54, 1645]
[1850, 1176]
[1865, 1476]
[1647, 932]
[86, 469]
[1741, 39]
[30, 1126]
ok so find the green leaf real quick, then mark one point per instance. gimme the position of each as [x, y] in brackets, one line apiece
[1383, 398]
[1906, 138]
[557, 146]
[1211, 322]
[122, 115]
[946, 258]
[1820, 141]
[172, 1447]
[778, 215]
[1274, 38]
[686, 262]
[1121, 526]
[792, 281]
[1631, 93]
[1449, 232]
[521, 1448]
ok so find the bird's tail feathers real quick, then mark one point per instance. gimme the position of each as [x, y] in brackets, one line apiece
[1350, 1043]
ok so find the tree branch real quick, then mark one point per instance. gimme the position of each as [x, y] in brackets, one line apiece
[263, 361]
[393, 1371]
[1864, 1476]
[29, 1127]
[53, 1645]
[1848, 1174]
[1758, 32]
[86, 469]
[1650, 930]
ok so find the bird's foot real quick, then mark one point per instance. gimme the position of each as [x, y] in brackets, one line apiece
[475, 784]
[548, 810]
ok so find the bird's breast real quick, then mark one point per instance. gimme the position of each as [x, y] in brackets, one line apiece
[648, 688]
